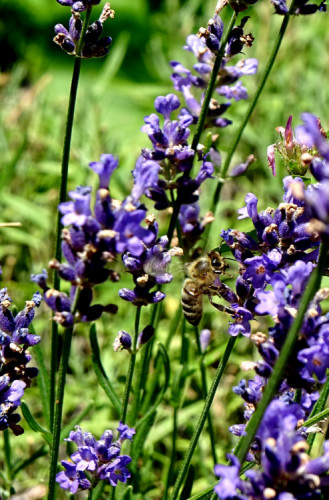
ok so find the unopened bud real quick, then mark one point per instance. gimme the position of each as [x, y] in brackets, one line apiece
[204, 339]
[122, 341]
[145, 335]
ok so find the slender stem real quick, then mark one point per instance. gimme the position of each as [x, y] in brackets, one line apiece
[318, 407]
[204, 393]
[131, 367]
[155, 315]
[58, 411]
[61, 199]
[172, 455]
[202, 419]
[7, 457]
[155, 378]
[138, 387]
[276, 377]
[113, 489]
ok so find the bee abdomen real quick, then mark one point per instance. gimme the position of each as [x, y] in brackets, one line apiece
[191, 302]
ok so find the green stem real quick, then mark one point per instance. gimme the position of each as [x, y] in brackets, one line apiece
[131, 367]
[275, 379]
[7, 457]
[138, 387]
[172, 455]
[61, 199]
[58, 411]
[204, 393]
[155, 378]
[318, 408]
[155, 315]
[189, 454]
[248, 114]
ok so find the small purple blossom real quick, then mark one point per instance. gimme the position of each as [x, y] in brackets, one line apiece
[241, 324]
[100, 458]
[310, 135]
[283, 462]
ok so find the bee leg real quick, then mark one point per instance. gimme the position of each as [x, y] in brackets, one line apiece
[222, 291]
[220, 307]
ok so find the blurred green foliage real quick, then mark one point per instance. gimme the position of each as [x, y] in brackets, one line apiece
[114, 96]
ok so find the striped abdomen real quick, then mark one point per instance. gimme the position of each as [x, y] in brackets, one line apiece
[192, 302]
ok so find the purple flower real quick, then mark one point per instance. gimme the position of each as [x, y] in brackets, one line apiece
[122, 341]
[260, 269]
[125, 432]
[100, 458]
[204, 339]
[271, 158]
[71, 479]
[86, 459]
[80, 5]
[104, 169]
[283, 463]
[241, 325]
[94, 45]
[236, 92]
[310, 135]
[146, 176]
[165, 105]
[241, 168]
[230, 481]
[77, 211]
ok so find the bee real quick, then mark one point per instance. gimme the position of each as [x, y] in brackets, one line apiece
[202, 275]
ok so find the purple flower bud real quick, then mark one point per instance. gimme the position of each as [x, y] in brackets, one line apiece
[104, 169]
[145, 335]
[122, 341]
[166, 105]
[204, 339]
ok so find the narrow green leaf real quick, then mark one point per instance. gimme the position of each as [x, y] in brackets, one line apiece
[319, 416]
[98, 490]
[188, 483]
[166, 364]
[139, 440]
[205, 495]
[100, 372]
[33, 424]
[128, 494]
[178, 384]
[22, 464]
[76, 421]
[43, 380]
[318, 408]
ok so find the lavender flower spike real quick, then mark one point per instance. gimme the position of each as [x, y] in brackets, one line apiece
[100, 458]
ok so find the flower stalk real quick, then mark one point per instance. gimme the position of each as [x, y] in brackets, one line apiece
[202, 419]
[61, 199]
[131, 368]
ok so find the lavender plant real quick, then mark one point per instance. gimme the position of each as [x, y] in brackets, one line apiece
[281, 260]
